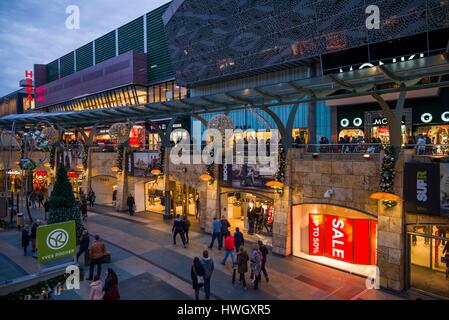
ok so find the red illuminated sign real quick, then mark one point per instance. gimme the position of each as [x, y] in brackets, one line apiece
[338, 240]
[73, 175]
[349, 240]
[29, 84]
[316, 234]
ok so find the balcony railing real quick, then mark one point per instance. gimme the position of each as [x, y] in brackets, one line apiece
[342, 148]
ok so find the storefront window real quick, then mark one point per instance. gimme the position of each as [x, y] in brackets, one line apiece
[438, 134]
[428, 263]
[301, 135]
[383, 133]
[357, 134]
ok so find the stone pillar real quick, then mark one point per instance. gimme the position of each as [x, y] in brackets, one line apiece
[211, 207]
[282, 236]
[391, 237]
[122, 186]
[167, 213]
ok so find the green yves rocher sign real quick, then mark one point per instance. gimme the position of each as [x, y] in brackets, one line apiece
[55, 241]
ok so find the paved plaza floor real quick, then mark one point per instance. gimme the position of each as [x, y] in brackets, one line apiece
[149, 266]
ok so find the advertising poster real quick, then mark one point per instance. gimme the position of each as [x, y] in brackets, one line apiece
[338, 238]
[422, 188]
[316, 235]
[247, 175]
[444, 189]
[56, 241]
[144, 162]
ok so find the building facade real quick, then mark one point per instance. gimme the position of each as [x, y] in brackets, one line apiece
[185, 51]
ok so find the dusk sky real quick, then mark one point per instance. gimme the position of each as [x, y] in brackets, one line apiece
[34, 31]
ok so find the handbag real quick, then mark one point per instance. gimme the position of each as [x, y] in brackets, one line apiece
[200, 278]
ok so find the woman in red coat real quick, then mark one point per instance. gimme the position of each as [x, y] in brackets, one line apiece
[111, 286]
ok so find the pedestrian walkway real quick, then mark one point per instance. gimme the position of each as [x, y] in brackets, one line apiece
[148, 264]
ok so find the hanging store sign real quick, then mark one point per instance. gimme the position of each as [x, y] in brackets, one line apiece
[29, 85]
[350, 240]
[422, 188]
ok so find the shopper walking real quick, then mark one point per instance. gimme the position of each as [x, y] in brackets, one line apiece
[46, 209]
[178, 228]
[208, 265]
[40, 198]
[197, 274]
[33, 235]
[264, 250]
[224, 227]
[216, 233]
[84, 244]
[242, 265]
[96, 289]
[33, 198]
[96, 254]
[84, 209]
[256, 266]
[229, 249]
[186, 224]
[25, 239]
[130, 202]
[111, 291]
[91, 198]
[239, 240]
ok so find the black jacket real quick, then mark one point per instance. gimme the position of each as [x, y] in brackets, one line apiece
[264, 250]
[194, 275]
[25, 238]
[33, 231]
[238, 239]
[224, 226]
[130, 202]
[84, 243]
[178, 225]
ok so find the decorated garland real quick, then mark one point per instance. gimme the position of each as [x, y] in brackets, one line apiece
[387, 174]
[119, 159]
[211, 169]
[85, 155]
[161, 161]
[221, 122]
[42, 289]
[119, 132]
[52, 155]
[280, 174]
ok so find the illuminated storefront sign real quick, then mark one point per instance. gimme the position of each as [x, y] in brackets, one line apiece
[345, 239]
[29, 84]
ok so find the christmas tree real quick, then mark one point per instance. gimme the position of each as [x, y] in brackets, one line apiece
[62, 202]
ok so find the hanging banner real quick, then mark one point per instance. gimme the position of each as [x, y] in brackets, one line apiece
[422, 188]
[55, 241]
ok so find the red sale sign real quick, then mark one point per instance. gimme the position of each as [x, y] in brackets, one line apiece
[338, 240]
[344, 239]
[316, 234]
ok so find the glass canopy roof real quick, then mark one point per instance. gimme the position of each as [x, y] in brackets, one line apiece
[327, 87]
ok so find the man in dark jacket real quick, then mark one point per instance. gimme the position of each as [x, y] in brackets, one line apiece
[186, 224]
[224, 229]
[264, 250]
[178, 228]
[238, 240]
[33, 235]
[130, 202]
[84, 244]
[25, 239]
